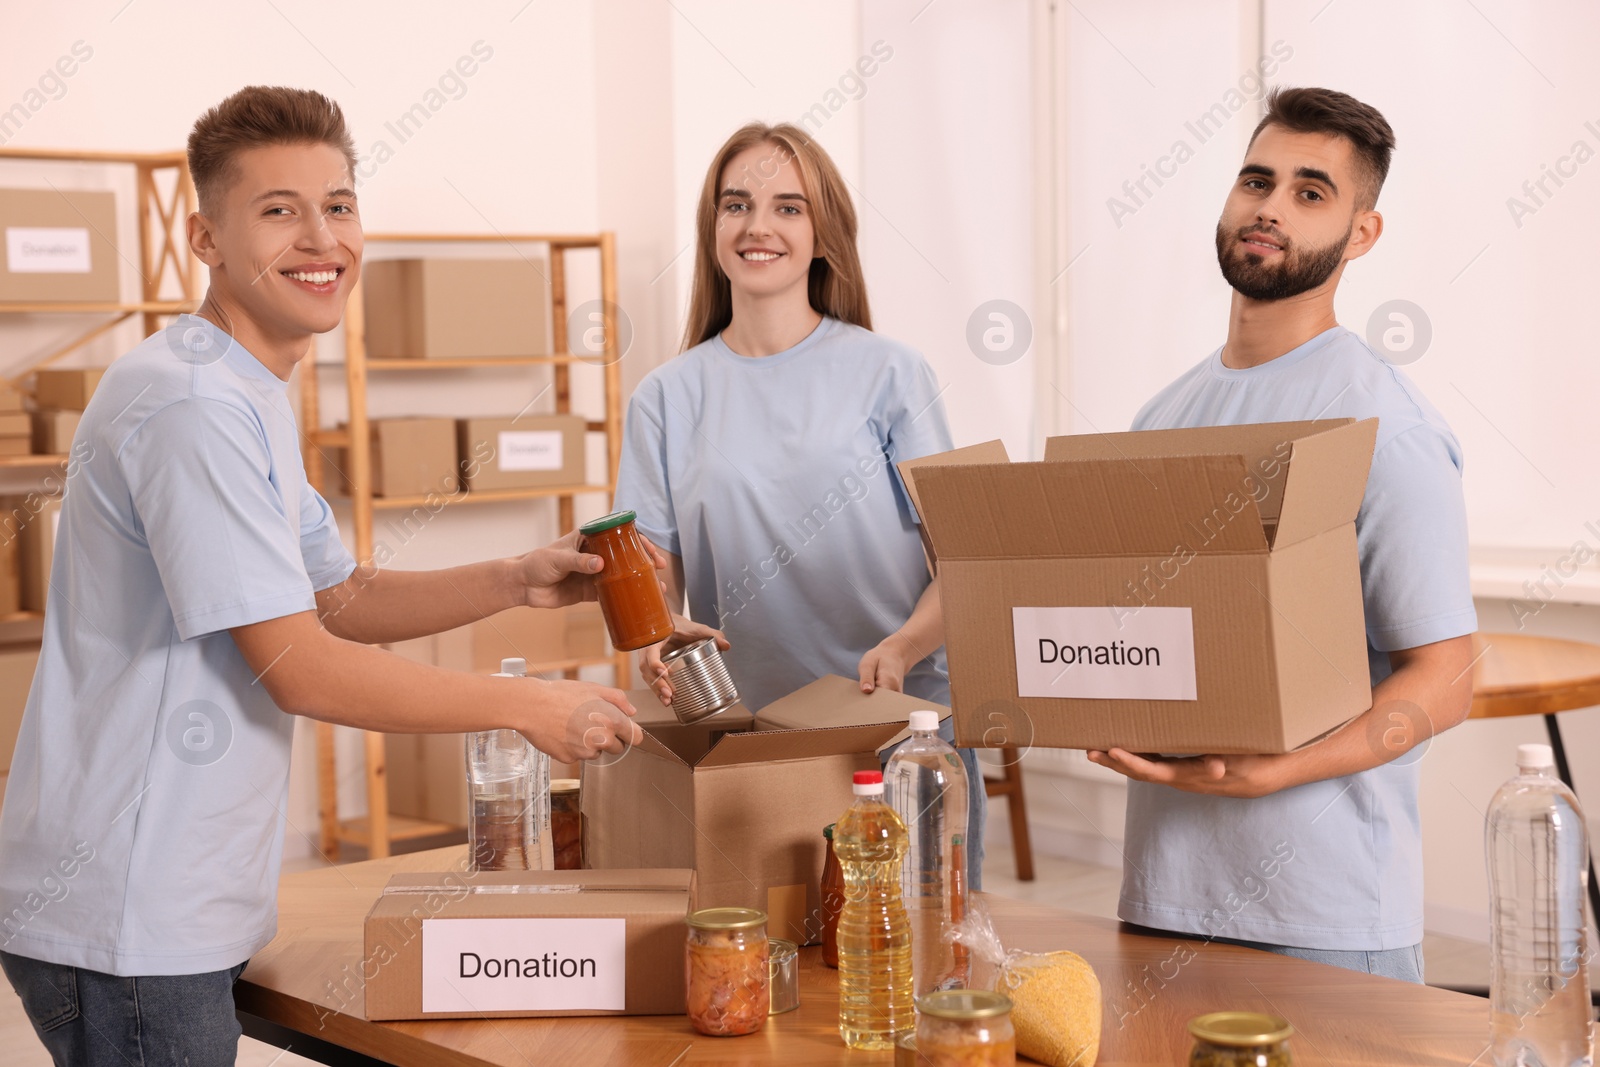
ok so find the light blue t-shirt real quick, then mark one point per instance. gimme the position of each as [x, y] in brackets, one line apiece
[1335, 864]
[773, 478]
[144, 817]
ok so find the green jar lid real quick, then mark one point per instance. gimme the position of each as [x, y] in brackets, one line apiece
[827, 831]
[1240, 1029]
[606, 522]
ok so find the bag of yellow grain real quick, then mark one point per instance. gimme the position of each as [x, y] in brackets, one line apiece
[1055, 996]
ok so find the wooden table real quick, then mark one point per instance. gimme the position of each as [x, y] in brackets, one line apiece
[1522, 674]
[303, 991]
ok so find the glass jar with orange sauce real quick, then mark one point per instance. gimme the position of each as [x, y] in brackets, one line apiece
[630, 593]
[728, 971]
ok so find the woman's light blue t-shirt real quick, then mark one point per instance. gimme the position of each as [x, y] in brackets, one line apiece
[1335, 864]
[144, 816]
[773, 479]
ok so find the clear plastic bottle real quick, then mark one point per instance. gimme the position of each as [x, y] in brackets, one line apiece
[875, 999]
[509, 784]
[1537, 847]
[926, 785]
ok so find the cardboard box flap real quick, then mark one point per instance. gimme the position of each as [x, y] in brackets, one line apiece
[1327, 480]
[1090, 508]
[774, 745]
[987, 452]
[833, 700]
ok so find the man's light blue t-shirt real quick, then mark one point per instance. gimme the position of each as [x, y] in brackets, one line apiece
[1335, 864]
[773, 478]
[144, 816]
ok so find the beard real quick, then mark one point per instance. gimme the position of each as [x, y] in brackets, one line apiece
[1301, 270]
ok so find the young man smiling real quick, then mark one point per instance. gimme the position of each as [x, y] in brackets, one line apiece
[200, 597]
[1316, 853]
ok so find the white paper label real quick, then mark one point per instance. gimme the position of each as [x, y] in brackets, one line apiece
[524, 964]
[47, 249]
[530, 450]
[1104, 653]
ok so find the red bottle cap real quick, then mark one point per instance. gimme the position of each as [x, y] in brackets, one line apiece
[868, 778]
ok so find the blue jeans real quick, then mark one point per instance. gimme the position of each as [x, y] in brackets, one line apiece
[977, 803]
[1402, 963]
[89, 1019]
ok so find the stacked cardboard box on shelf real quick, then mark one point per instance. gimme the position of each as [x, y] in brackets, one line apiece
[59, 246]
[15, 426]
[526, 452]
[456, 308]
[64, 389]
[410, 457]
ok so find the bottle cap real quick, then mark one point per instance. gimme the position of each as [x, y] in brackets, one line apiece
[925, 721]
[1534, 757]
[867, 784]
[515, 666]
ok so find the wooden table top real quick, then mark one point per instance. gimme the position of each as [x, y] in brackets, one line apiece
[307, 979]
[1522, 674]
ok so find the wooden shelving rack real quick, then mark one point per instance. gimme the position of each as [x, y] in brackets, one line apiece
[379, 829]
[164, 260]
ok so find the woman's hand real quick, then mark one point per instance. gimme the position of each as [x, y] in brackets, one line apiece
[885, 666]
[684, 632]
[578, 720]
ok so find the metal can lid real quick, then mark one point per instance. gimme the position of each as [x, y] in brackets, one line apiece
[963, 1004]
[1240, 1029]
[780, 950]
[727, 919]
[564, 785]
[607, 522]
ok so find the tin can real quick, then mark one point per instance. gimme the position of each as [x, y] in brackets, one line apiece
[1240, 1039]
[785, 971]
[701, 685]
[727, 970]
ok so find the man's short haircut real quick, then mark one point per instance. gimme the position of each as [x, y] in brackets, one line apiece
[1328, 111]
[256, 116]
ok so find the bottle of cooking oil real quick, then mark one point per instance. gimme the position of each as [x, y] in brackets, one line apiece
[875, 991]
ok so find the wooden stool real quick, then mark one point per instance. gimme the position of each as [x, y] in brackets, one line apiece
[1520, 674]
[1010, 787]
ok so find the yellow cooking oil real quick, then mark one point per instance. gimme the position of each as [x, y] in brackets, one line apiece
[875, 985]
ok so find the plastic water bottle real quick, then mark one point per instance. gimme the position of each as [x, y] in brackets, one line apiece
[509, 782]
[1538, 849]
[926, 785]
[875, 999]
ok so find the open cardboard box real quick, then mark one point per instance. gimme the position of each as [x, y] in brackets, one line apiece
[524, 943]
[740, 798]
[1176, 591]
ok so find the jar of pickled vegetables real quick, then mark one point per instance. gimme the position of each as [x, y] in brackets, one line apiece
[566, 824]
[1240, 1039]
[726, 963]
[630, 594]
[965, 1028]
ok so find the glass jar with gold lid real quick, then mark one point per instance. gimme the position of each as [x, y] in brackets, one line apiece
[726, 965]
[965, 1028]
[1240, 1039]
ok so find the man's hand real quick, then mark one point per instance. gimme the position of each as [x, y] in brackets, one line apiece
[561, 573]
[579, 720]
[1246, 777]
[684, 632]
[885, 665]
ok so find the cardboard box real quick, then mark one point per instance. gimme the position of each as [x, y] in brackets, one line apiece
[15, 516]
[59, 245]
[66, 390]
[36, 521]
[1176, 591]
[427, 772]
[10, 399]
[742, 800]
[527, 452]
[410, 457]
[539, 635]
[457, 308]
[17, 663]
[16, 446]
[53, 431]
[458, 946]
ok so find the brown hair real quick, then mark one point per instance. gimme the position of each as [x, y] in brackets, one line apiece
[260, 115]
[836, 287]
[1308, 110]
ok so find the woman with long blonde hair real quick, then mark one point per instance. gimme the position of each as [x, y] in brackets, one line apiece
[761, 459]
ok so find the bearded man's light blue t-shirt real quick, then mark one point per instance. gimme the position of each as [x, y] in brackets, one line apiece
[1335, 864]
